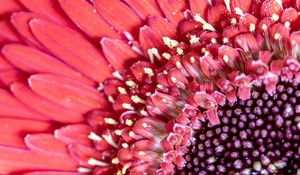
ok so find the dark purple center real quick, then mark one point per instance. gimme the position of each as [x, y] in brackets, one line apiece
[256, 136]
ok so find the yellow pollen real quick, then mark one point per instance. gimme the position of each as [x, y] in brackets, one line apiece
[159, 86]
[178, 64]
[233, 21]
[125, 145]
[205, 25]
[131, 134]
[194, 39]
[153, 52]
[144, 125]
[166, 55]
[192, 59]
[170, 42]
[94, 162]
[83, 170]
[179, 51]
[287, 24]
[94, 136]
[149, 71]
[122, 90]
[238, 11]
[142, 153]
[252, 27]
[165, 72]
[213, 40]
[275, 17]
[129, 122]
[173, 79]
[111, 99]
[225, 40]
[100, 87]
[127, 106]
[118, 75]
[277, 36]
[130, 83]
[264, 27]
[227, 3]
[137, 99]
[148, 94]
[144, 113]
[164, 100]
[118, 132]
[226, 58]
[115, 161]
[110, 121]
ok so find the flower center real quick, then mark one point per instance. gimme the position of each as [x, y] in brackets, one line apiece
[260, 135]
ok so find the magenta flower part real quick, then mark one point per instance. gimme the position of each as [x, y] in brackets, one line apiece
[150, 87]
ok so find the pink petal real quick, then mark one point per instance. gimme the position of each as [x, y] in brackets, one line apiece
[7, 34]
[8, 76]
[10, 107]
[173, 10]
[42, 105]
[86, 18]
[47, 8]
[162, 26]
[76, 133]
[73, 49]
[34, 61]
[20, 21]
[119, 15]
[4, 64]
[46, 144]
[118, 53]
[199, 7]
[14, 159]
[144, 8]
[13, 130]
[67, 92]
[148, 38]
[8, 7]
[82, 153]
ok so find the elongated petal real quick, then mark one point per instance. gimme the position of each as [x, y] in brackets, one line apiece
[8, 76]
[46, 144]
[118, 53]
[47, 8]
[119, 15]
[76, 133]
[13, 130]
[86, 18]
[4, 64]
[144, 8]
[82, 153]
[8, 7]
[20, 20]
[34, 61]
[173, 10]
[44, 106]
[74, 49]
[52, 173]
[10, 107]
[162, 27]
[67, 92]
[199, 7]
[14, 159]
[7, 34]
[149, 39]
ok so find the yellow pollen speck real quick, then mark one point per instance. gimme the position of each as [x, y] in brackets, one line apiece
[238, 11]
[287, 24]
[225, 40]
[149, 71]
[194, 39]
[233, 21]
[159, 86]
[264, 27]
[277, 36]
[125, 145]
[173, 79]
[110, 121]
[111, 99]
[122, 90]
[227, 3]
[127, 106]
[205, 25]
[144, 113]
[179, 51]
[137, 99]
[115, 161]
[165, 72]
[148, 94]
[130, 83]
[142, 153]
[131, 134]
[275, 17]
[94, 136]
[118, 75]
[178, 64]
[164, 100]
[226, 58]
[153, 52]
[94, 162]
[144, 125]
[192, 59]
[252, 27]
[129, 122]
[166, 55]
[213, 40]
[170, 42]
[118, 132]
[203, 50]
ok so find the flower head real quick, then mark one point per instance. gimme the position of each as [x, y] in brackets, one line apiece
[150, 87]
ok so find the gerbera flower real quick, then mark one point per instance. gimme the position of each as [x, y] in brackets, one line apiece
[150, 87]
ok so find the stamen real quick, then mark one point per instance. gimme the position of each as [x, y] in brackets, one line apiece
[179, 51]
[227, 3]
[275, 17]
[115, 161]
[252, 27]
[166, 55]
[170, 42]
[233, 21]
[125, 145]
[238, 11]
[95, 162]
[137, 99]
[194, 39]
[130, 83]
[122, 90]
[129, 122]
[149, 71]
[111, 99]
[127, 106]
[110, 121]
[118, 75]
[94, 136]
[83, 170]
[205, 25]
[109, 140]
[153, 52]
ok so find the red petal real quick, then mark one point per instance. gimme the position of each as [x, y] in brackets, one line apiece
[15, 159]
[77, 133]
[173, 10]
[10, 107]
[199, 7]
[73, 49]
[119, 15]
[244, 5]
[8, 76]
[67, 92]
[47, 8]
[34, 61]
[52, 173]
[40, 104]
[14, 130]
[7, 34]
[46, 144]
[4, 64]
[20, 21]
[148, 38]
[83, 153]
[162, 27]
[118, 53]
[144, 8]
[8, 7]
[86, 18]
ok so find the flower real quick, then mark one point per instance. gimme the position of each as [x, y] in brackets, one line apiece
[150, 87]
